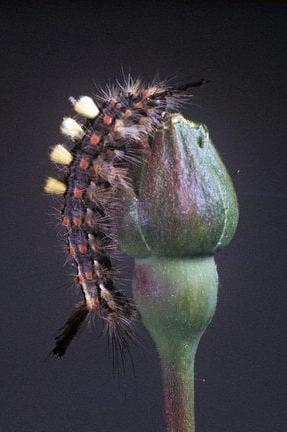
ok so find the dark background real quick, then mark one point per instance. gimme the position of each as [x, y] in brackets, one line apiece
[51, 50]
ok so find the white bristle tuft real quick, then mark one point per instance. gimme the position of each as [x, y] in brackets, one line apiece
[71, 128]
[85, 106]
[54, 186]
[61, 155]
[107, 296]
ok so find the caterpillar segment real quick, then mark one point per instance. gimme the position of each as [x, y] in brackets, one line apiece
[109, 143]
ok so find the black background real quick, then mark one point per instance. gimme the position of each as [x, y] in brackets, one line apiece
[51, 50]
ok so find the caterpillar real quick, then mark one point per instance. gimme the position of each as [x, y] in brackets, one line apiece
[108, 136]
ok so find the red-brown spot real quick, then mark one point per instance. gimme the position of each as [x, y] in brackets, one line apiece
[95, 139]
[89, 275]
[107, 119]
[78, 193]
[93, 303]
[66, 221]
[96, 301]
[84, 164]
[79, 279]
[145, 93]
[127, 113]
[77, 220]
[72, 251]
[83, 248]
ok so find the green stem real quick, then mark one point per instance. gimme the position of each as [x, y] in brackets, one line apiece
[178, 384]
[177, 299]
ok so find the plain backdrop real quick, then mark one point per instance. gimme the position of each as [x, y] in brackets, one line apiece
[51, 50]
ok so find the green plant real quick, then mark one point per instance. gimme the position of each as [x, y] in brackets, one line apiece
[186, 210]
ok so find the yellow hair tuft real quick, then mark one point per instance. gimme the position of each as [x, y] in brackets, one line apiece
[85, 106]
[61, 155]
[71, 128]
[54, 186]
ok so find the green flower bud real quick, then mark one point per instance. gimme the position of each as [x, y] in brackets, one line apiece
[186, 204]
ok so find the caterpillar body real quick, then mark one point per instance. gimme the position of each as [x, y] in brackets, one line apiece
[114, 133]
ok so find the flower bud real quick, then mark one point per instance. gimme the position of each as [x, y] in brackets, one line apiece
[186, 204]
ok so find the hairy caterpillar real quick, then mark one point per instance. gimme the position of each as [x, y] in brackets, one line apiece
[105, 143]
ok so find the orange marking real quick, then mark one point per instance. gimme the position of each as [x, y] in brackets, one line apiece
[66, 221]
[79, 279]
[78, 193]
[146, 93]
[89, 275]
[96, 301]
[107, 119]
[84, 164]
[92, 303]
[127, 113]
[72, 250]
[77, 220]
[95, 139]
[83, 248]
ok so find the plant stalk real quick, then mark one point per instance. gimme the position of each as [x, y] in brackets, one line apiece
[177, 299]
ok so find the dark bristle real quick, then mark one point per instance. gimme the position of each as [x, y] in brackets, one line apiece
[187, 86]
[69, 330]
[120, 330]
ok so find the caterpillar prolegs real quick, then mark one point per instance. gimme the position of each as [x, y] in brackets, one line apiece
[108, 137]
